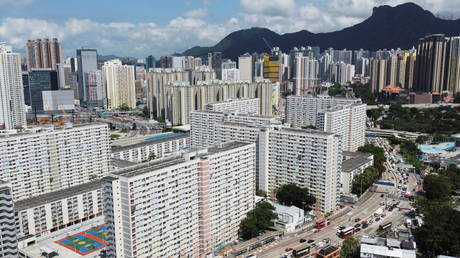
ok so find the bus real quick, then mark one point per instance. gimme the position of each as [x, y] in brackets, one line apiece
[301, 252]
[321, 224]
[346, 232]
[385, 226]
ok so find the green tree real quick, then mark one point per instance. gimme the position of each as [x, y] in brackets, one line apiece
[453, 173]
[291, 194]
[437, 188]
[261, 193]
[152, 156]
[364, 180]
[124, 107]
[379, 155]
[146, 112]
[337, 90]
[258, 219]
[350, 248]
[114, 136]
[422, 139]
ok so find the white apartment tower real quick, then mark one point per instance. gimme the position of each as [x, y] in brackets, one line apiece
[307, 158]
[249, 106]
[245, 65]
[12, 107]
[48, 160]
[119, 84]
[182, 206]
[349, 122]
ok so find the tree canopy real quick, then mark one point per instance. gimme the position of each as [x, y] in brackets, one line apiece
[291, 194]
[437, 187]
[350, 248]
[364, 180]
[258, 219]
[379, 155]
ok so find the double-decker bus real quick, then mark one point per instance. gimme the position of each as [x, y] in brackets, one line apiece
[346, 232]
[321, 223]
[385, 226]
[302, 252]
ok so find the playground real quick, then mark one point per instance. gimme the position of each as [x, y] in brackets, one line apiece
[85, 242]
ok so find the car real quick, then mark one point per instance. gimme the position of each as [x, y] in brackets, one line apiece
[382, 195]
[357, 219]
[327, 240]
[363, 222]
[365, 226]
[317, 230]
[370, 222]
[310, 241]
[357, 225]
[302, 240]
[391, 209]
[342, 227]
[357, 230]
[288, 249]
[377, 219]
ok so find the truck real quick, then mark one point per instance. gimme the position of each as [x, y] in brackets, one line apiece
[301, 252]
[378, 212]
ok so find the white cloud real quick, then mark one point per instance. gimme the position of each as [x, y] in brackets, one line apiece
[197, 13]
[269, 7]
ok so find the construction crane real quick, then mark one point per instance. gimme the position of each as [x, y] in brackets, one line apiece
[268, 45]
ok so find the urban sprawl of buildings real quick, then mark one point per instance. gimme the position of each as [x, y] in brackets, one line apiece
[256, 124]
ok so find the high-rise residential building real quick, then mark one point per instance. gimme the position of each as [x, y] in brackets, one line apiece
[44, 160]
[453, 65]
[8, 234]
[49, 213]
[183, 205]
[284, 155]
[303, 111]
[249, 106]
[231, 75]
[41, 79]
[119, 84]
[154, 149]
[12, 107]
[158, 78]
[43, 53]
[341, 73]
[175, 99]
[150, 62]
[246, 67]
[305, 74]
[215, 63]
[430, 68]
[378, 73]
[166, 62]
[87, 63]
[348, 122]
[345, 56]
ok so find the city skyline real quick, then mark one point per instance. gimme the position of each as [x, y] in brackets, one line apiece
[183, 24]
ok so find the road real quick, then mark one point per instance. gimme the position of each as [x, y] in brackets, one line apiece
[363, 211]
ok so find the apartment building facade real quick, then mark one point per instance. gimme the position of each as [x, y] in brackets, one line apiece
[180, 206]
[41, 216]
[43, 160]
[250, 106]
[144, 151]
[8, 234]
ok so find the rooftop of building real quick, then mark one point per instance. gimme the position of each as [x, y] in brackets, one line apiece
[148, 143]
[324, 97]
[57, 195]
[304, 131]
[328, 250]
[215, 83]
[355, 160]
[46, 129]
[233, 100]
[118, 163]
[147, 167]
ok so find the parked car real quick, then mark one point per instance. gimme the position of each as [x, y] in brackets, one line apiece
[357, 225]
[357, 230]
[377, 219]
[357, 219]
[302, 240]
[310, 241]
[288, 249]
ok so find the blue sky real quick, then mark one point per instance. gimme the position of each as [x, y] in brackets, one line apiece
[141, 27]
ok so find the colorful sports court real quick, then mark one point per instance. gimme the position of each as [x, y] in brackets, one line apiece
[87, 241]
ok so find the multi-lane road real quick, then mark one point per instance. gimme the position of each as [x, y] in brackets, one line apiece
[364, 210]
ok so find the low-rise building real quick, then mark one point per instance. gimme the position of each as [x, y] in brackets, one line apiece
[44, 215]
[58, 100]
[354, 163]
[385, 247]
[329, 252]
[289, 217]
[151, 149]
